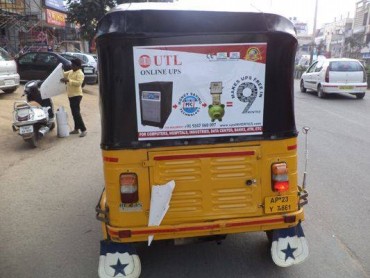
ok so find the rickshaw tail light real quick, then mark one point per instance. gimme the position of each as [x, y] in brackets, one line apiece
[129, 188]
[280, 178]
[281, 186]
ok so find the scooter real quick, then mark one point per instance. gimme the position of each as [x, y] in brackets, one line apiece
[34, 118]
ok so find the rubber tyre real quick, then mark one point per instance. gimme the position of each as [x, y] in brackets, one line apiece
[303, 89]
[360, 96]
[269, 236]
[52, 126]
[33, 141]
[9, 91]
[320, 92]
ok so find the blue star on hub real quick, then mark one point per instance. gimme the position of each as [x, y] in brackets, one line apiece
[289, 252]
[119, 268]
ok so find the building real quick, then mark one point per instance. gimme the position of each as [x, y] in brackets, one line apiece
[38, 25]
[330, 39]
[358, 41]
[304, 40]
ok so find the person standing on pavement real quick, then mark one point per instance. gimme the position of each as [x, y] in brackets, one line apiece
[74, 79]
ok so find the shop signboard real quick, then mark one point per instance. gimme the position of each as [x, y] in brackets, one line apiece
[12, 6]
[190, 91]
[55, 18]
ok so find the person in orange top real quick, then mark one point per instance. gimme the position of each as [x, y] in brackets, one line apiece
[74, 79]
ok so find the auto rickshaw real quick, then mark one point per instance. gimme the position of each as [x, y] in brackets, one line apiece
[198, 131]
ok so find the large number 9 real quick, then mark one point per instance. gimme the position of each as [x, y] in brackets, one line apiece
[252, 88]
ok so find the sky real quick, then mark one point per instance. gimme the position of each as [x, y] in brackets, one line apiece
[304, 10]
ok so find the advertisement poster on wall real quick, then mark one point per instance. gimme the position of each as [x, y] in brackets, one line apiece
[192, 91]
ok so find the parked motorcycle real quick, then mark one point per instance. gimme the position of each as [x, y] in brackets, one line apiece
[34, 118]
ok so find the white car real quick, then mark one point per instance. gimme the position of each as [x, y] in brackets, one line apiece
[336, 75]
[9, 78]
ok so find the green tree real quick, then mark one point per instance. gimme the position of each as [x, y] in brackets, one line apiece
[87, 13]
[353, 46]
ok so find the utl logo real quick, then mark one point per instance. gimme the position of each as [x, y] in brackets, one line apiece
[159, 60]
[144, 61]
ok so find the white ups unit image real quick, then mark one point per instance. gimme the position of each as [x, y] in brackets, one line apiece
[155, 103]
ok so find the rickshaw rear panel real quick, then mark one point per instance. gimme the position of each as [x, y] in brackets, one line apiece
[223, 182]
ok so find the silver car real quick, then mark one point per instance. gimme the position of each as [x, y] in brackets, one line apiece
[9, 78]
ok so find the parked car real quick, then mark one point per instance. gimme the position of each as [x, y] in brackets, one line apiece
[91, 76]
[336, 75]
[38, 65]
[9, 78]
[95, 57]
[87, 58]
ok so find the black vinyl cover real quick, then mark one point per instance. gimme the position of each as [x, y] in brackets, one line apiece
[123, 28]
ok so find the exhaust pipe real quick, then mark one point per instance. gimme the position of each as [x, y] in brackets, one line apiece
[44, 130]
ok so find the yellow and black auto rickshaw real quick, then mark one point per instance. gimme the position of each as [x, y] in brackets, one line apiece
[198, 131]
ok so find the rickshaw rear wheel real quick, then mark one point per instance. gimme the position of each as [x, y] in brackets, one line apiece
[303, 89]
[269, 236]
[320, 92]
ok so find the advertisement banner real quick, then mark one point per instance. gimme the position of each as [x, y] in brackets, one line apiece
[190, 91]
[55, 18]
[56, 5]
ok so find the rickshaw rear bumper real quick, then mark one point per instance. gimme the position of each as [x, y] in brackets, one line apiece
[219, 227]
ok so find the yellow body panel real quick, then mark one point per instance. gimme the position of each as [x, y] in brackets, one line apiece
[220, 189]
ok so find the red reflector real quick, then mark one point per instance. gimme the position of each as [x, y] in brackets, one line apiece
[113, 233]
[110, 159]
[281, 186]
[289, 219]
[293, 147]
[124, 234]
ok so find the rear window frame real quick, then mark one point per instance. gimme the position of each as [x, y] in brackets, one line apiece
[357, 66]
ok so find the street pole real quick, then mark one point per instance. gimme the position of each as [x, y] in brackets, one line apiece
[313, 33]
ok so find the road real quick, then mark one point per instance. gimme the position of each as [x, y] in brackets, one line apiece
[48, 195]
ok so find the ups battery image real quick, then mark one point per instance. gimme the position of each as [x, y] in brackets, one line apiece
[155, 103]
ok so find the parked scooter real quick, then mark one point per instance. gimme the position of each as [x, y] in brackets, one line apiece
[34, 118]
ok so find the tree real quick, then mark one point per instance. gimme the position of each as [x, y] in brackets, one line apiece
[353, 45]
[87, 13]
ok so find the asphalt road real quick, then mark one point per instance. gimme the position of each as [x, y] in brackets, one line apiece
[48, 195]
